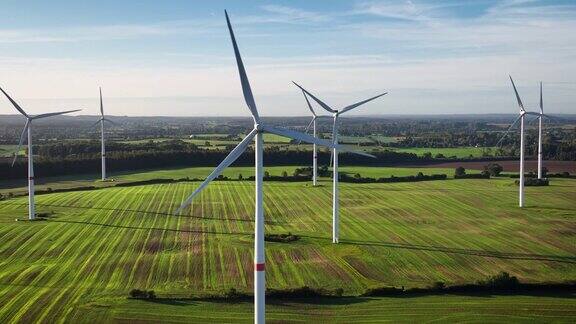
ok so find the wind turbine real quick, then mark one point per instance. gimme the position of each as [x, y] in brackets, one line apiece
[520, 118]
[28, 129]
[101, 121]
[335, 115]
[540, 134]
[314, 151]
[256, 134]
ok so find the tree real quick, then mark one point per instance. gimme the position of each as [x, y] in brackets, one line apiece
[240, 177]
[266, 174]
[460, 171]
[494, 169]
[284, 174]
[544, 171]
[427, 155]
[357, 176]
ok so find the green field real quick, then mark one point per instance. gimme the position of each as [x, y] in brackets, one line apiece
[100, 244]
[8, 150]
[458, 152]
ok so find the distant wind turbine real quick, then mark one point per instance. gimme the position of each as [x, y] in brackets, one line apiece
[540, 134]
[256, 134]
[103, 145]
[336, 114]
[520, 118]
[314, 150]
[28, 129]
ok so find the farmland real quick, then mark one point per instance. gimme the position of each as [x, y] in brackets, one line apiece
[97, 245]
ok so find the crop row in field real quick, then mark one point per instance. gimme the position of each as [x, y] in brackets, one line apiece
[100, 244]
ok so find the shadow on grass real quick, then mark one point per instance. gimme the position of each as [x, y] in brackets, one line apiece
[353, 300]
[148, 228]
[152, 213]
[482, 253]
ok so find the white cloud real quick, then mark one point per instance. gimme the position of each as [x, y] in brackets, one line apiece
[294, 14]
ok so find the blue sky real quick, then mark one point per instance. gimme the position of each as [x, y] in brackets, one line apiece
[175, 57]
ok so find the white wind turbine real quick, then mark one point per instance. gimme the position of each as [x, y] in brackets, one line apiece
[336, 114]
[28, 129]
[540, 134]
[101, 121]
[314, 150]
[256, 133]
[520, 118]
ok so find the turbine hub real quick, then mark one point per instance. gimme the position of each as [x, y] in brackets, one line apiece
[257, 127]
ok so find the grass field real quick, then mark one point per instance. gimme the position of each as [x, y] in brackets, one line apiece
[100, 244]
[458, 152]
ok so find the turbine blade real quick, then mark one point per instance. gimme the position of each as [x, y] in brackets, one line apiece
[517, 95]
[308, 102]
[307, 129]
[541, 102]
[246, 90]
[21, 141]
[236, 152]
[346, 150]
[322, 104]
[111, 122]
[532, 113]
[508, 130]
[334, 130]
[96, 123]
[14, 103]
[361, 103]
[309, 125]
[297, 136]
[333, 139]
[54, 114]
[101, 105]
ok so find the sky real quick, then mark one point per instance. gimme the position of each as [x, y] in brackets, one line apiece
[174, 58]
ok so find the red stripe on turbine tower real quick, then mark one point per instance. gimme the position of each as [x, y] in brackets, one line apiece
[30, 178]
[259, 266]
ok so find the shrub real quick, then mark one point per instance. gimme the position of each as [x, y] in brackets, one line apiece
[494, 169]
[438, 286]
[534, 182]
[302, 292]
[460, 171]
[142, 294]
[240, 176]
[282, 238]
[232, 293]
[502, 280]
[483, 175]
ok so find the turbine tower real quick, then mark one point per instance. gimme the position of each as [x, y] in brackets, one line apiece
[335, 115]
[256, 134]
[28, 130]
[101, 121]
[540, 134]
